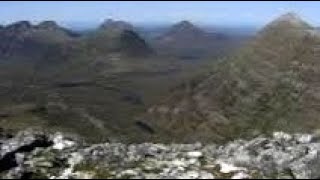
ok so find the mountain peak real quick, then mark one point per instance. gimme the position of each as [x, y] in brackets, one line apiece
[54, 27]
[185, 29]
[185, 23]
[48, 25]
[289, 16]
[111, 24]
[20, 26]
[184, 26]
[290, 20]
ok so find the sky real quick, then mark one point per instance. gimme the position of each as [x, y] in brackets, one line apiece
[140, 12]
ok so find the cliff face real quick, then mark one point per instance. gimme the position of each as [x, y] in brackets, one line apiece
[32, 154]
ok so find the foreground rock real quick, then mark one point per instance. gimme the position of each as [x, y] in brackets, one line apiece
[38, 155]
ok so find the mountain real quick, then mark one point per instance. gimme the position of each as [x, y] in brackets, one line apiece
[117, 37]
[184, 30]
[112, 25]
[127, 43]
[53, 26]
[271, 85]
[289, 20]
[48, 42]
[24, 40]
[184, 39]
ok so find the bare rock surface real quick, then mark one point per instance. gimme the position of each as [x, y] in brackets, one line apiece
[31, 154]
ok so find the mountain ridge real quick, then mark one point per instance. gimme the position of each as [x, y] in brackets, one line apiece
[23, 37]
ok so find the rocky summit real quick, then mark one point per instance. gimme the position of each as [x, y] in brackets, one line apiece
[31, 154]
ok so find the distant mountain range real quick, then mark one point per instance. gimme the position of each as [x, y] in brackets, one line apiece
[183, 40]
[27, 40]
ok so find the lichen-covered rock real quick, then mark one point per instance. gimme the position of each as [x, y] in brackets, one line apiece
[279, 156]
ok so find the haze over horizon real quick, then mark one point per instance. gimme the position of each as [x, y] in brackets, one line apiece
[139, 12]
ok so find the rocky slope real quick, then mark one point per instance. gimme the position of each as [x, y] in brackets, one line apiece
[32, 154]
[272, 84]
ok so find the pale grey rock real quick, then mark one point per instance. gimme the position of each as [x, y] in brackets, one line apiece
[307, 167]
[282, 155]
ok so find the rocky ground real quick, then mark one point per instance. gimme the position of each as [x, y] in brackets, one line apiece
[31, 154]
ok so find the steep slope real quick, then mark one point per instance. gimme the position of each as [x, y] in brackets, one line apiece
[271, 85]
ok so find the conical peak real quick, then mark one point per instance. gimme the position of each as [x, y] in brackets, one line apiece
[185, 25]
[289, 16]
[290, 20]
[48, 25]
[111, 24]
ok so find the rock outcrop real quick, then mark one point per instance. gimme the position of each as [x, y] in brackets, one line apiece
[36, 154]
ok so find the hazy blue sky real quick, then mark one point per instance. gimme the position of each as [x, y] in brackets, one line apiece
[248, 13]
